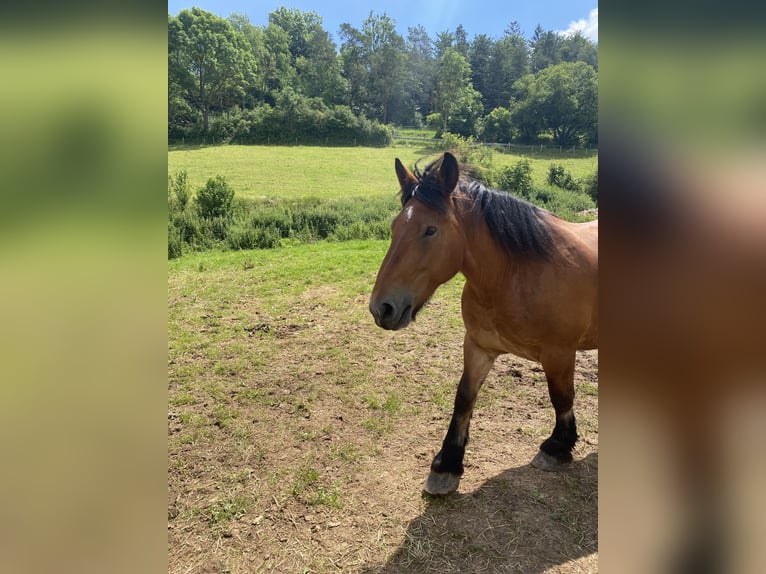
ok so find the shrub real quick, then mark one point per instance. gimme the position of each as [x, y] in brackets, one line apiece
[264, 224]
[215, 199]
[563, 202]
[248, 237]
[560, 177]
[498, 126]
[180, 187]
[516, 179]
[591, 187]
[434, 121]
[175, 243]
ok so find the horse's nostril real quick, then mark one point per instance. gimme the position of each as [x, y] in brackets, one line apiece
[386, 310]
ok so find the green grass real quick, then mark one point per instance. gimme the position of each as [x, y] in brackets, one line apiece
[288, 195]
[276, 276]
[292, 172]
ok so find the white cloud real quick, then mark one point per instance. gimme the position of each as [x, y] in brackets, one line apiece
[588, 28]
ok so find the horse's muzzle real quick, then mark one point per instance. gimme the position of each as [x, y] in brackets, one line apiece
[392, 313]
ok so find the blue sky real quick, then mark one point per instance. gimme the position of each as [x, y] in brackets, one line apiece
[489, 17]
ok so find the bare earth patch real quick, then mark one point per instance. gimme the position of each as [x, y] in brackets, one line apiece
[299, 438]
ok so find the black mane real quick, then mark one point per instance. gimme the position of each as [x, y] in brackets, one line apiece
[516, 225]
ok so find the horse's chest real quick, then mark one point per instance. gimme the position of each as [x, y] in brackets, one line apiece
[501, 333]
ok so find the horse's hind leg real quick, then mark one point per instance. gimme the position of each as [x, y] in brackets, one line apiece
[556, 451]
[447, 466]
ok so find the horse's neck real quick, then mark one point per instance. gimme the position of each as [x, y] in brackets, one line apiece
[485, 263]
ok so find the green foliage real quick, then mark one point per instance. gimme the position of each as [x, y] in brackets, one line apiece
[561, 98]
[465, 118]
[175, 243]
[179, 186]
[453, 86]
[560, 177]
[289, 83]
[566, 202]
[226, 222]
[298, 119]
[498, 126]
[214, 200]
[516, 179]
[466, 149]
[591, 187]
[209, 61]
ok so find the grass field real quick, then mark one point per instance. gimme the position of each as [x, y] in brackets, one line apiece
[327, 172]
[299, 434]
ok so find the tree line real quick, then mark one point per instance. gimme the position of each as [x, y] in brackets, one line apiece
[229, 80]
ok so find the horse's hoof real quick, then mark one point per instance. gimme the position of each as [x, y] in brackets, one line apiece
[441, 483]
[545, 461]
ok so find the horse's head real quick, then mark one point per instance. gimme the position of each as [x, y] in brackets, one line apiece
[427, 244]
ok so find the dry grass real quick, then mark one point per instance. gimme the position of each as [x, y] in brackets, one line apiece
[300, 434]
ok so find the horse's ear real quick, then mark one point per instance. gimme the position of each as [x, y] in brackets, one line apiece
[405, 176]
[448, 173]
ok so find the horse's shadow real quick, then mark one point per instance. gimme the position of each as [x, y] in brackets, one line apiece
[522, 520]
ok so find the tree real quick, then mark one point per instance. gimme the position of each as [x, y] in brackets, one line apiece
[453, 86]
[274, 60]
[498, 126]
[352, 57]
[562, 98]
[443, 41]
[546, 49]
[374, 62]
[216, 57]
[482, 71]
[299, 25]
[270, 47]
[465, 115]
[461, 41]
[313, 53]
[509, 62]
[578, 48]
[421, 68]
[387, 63]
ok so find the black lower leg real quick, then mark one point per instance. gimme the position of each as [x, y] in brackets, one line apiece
[450, 457]
[560, 444]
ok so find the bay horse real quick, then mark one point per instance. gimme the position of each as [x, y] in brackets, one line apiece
[530, 290]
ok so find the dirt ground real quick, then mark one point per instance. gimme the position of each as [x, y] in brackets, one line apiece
[299, 439]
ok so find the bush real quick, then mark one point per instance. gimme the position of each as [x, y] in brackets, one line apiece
[498, 127]
[175, 243]
[560, 177]
[248, 237]
[434, 121]
[259, 224]
[215, 199]
[562, 202]
[591, 187]
[516, 179]
[180, 189]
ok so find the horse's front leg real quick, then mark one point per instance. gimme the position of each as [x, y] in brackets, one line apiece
[447, 466]
[556, 451]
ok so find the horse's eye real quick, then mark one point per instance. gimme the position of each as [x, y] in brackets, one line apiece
[430, 230]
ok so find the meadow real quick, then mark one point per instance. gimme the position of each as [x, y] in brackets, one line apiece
[291, 172]
[300, 434]
[288, 195]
